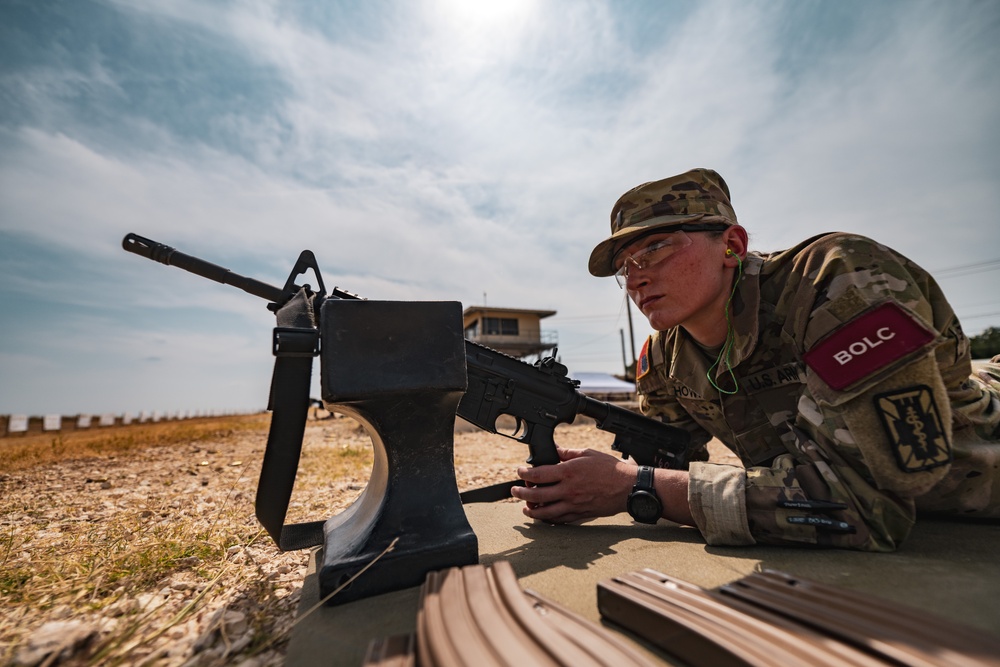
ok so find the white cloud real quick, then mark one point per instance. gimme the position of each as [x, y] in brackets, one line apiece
[426, 153]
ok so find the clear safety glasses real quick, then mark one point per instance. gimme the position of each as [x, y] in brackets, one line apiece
[658, 249]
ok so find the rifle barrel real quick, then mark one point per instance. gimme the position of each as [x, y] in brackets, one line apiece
[164, 254]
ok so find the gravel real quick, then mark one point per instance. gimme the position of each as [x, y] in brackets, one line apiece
[153, 556]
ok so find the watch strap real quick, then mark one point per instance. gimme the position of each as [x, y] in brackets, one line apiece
[644, 479]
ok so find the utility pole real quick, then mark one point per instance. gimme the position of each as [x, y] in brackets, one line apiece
[621, 332]
[631, 334]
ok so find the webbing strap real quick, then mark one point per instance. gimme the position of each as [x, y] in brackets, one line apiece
[290, 404]
[295, 343]
[489, 494]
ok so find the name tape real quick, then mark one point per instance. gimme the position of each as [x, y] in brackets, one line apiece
[869, 342]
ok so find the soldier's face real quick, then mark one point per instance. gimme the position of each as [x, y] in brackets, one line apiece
[689, 288]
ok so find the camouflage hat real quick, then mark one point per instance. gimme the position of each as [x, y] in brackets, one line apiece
[693, 195]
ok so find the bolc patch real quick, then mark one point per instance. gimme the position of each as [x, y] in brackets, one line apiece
[642, 365]
[912, 422]
[870, 341]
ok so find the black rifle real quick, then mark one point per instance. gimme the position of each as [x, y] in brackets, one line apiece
[537, 396]
[540, 397]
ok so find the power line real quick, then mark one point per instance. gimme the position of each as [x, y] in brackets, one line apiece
[966, 269]
[965, 318]
[579, 318]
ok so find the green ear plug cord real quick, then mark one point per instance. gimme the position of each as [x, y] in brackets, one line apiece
[727, 347]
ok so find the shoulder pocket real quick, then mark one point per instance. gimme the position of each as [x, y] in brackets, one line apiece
[865, 350]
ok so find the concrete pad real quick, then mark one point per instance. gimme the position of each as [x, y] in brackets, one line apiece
[948, 568]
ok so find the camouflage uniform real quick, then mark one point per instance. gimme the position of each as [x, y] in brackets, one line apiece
[853, 405]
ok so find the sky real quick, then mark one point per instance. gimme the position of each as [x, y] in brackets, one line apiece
[451, 150]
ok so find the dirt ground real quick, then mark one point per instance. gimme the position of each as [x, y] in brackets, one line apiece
[149, 554]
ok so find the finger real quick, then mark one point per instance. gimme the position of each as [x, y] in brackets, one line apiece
[536, 494]
[555, 513]
[539, 474]
[567, 454]
[528, 503]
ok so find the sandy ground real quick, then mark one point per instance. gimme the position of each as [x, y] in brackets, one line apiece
[154, 557]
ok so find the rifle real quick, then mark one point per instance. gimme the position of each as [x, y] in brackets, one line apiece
[538, 396]
[399, 368]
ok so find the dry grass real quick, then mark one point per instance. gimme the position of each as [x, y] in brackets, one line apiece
[140, 540]
[22, 452]
[138, 545]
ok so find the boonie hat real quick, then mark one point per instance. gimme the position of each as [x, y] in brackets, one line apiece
[674, 201]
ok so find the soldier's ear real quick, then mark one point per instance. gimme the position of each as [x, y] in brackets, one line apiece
[736, 241]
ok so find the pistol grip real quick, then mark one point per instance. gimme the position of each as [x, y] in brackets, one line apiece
[541, 445]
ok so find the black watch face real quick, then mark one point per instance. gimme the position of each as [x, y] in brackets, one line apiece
[644, 506]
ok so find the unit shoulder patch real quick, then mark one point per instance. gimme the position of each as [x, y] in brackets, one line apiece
[871, 341]
[642, 366]
[913, 423]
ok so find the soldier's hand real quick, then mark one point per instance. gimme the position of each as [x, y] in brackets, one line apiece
[585, 485]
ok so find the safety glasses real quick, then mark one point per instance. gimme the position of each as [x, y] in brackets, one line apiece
[659, 249]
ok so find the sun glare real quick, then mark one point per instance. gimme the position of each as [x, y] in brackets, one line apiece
[480, 16]
[475, 32]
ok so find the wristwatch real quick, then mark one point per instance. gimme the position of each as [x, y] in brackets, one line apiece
[643, 504]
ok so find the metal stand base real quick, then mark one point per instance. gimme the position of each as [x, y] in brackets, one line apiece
[399, 369]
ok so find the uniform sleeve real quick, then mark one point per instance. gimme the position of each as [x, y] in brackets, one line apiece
[716, 495]
[873, 427]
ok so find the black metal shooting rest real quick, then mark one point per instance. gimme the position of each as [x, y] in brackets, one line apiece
[399, 369]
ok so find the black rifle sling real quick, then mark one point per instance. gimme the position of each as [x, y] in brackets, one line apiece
[489, 494]
[295, 343]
